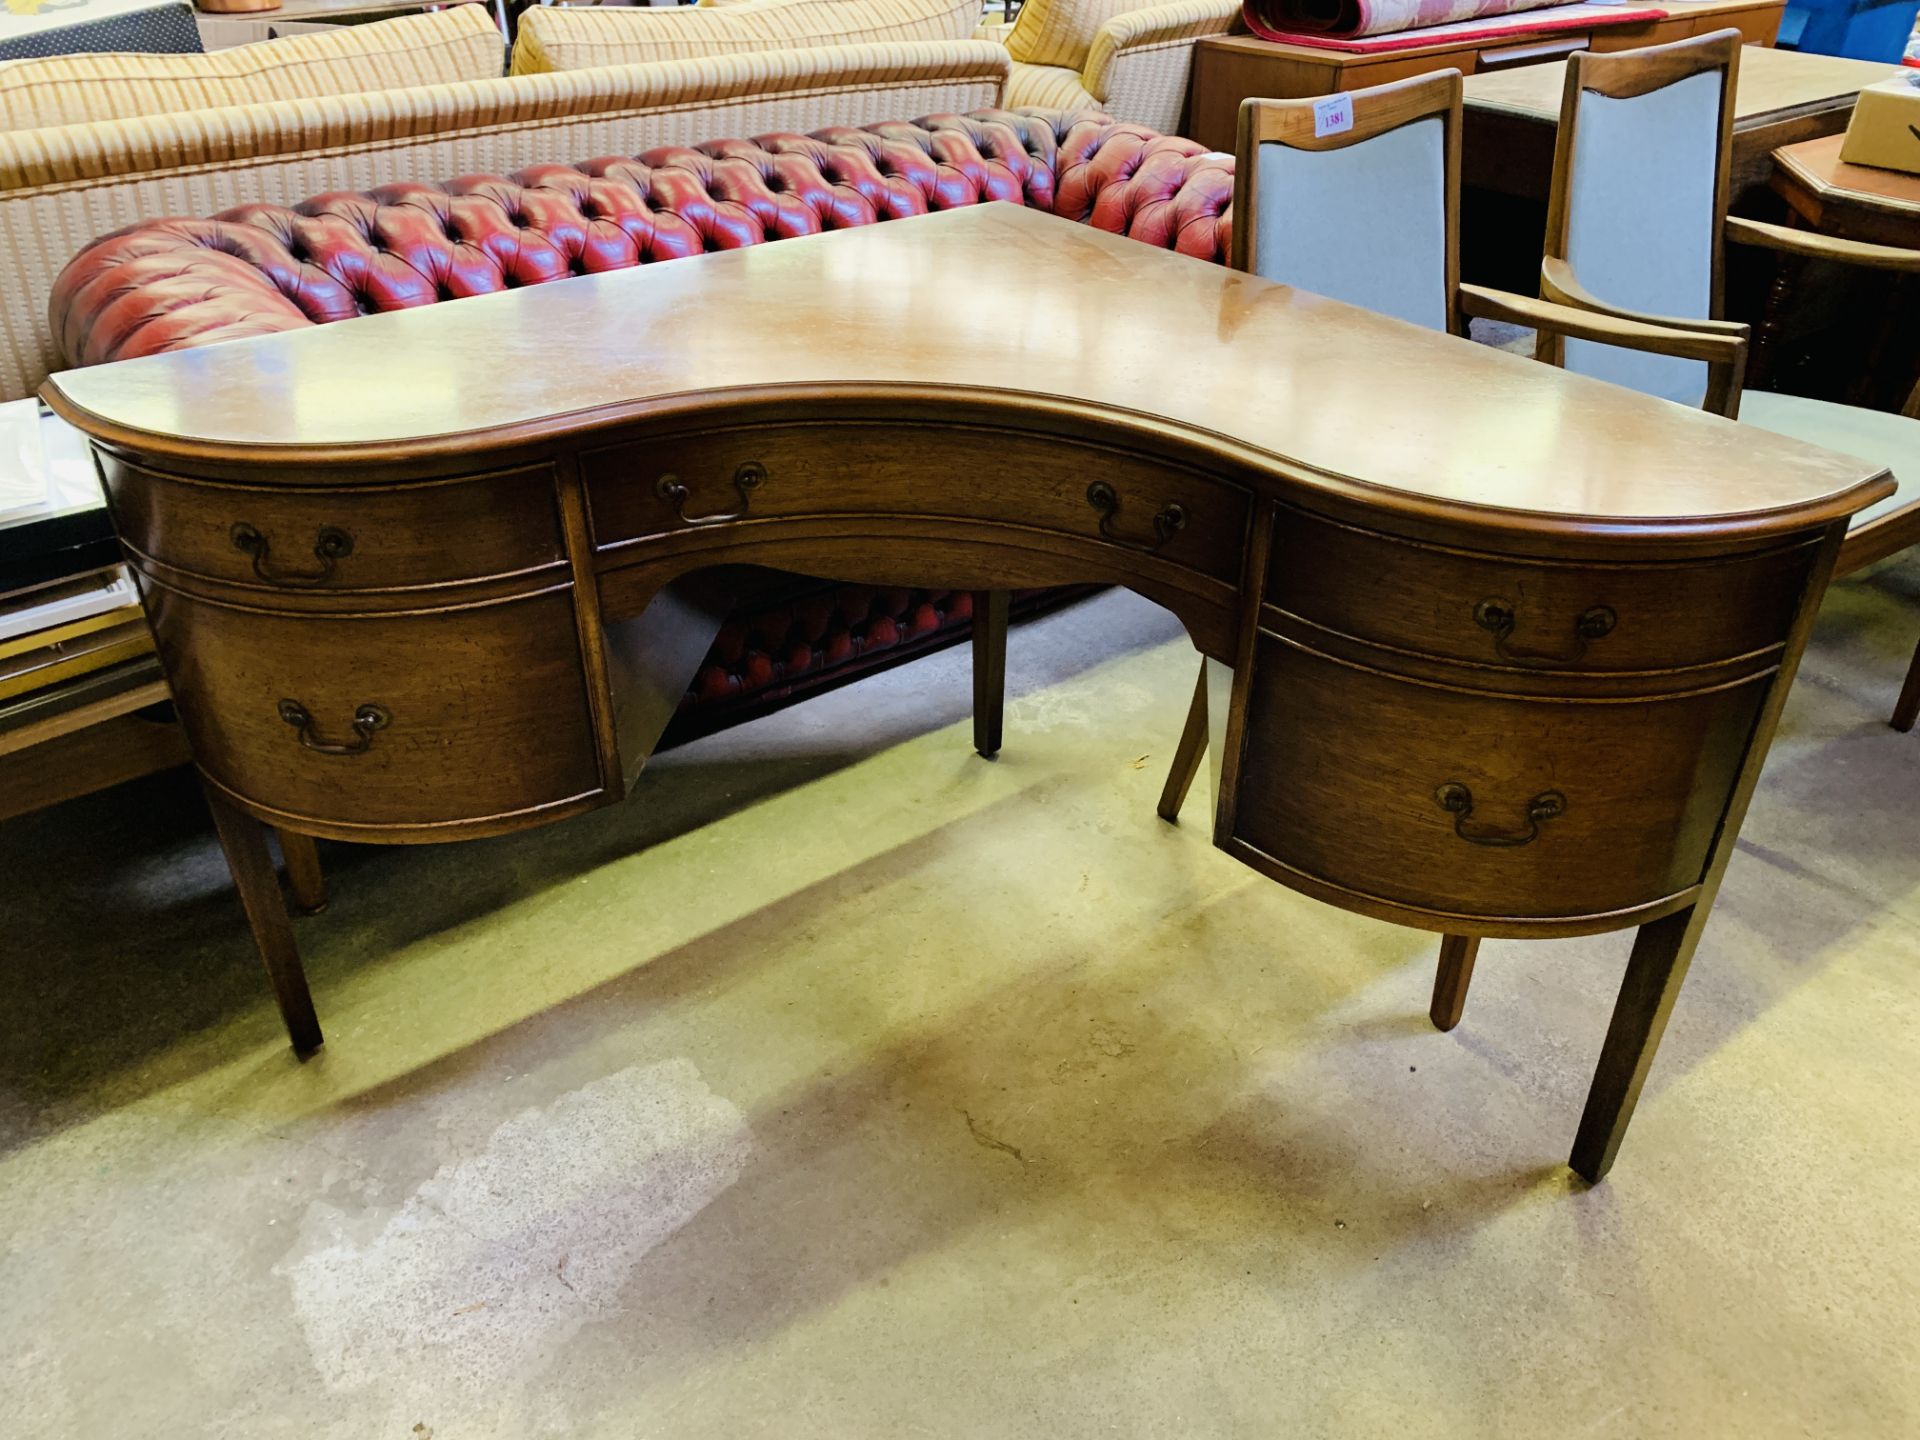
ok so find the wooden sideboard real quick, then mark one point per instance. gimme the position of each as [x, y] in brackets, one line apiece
[1498, 649]
[1230, 68]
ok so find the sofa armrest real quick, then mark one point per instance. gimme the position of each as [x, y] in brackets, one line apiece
[1159, 189]
[1141, 60]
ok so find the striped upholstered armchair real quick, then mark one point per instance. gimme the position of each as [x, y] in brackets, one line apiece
[1130, 58]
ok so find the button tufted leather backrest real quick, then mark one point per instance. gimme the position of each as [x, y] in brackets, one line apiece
[260, 269]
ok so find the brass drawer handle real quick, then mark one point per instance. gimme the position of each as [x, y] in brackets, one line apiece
[1105, 500]
[1497, 617]
[1457, 800]
[747, 479]
[330, 543]
[366, 720]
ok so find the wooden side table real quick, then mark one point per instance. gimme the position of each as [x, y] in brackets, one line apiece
[1850, 202]
[1853, 202]
[1229, 68]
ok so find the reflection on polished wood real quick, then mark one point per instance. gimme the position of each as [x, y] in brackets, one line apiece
[1434, 731]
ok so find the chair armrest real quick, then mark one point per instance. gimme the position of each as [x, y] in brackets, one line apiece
[1821, 247]
[1723, 349]
[1557, 283]
[1719, 345]
[1140, 59]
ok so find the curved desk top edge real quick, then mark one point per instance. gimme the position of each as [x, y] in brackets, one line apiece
[1086, 335]
[957, 405]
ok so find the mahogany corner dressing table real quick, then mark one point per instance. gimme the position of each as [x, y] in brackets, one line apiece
[1498, 650]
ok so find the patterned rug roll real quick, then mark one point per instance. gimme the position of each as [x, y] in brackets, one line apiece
[1274, 18]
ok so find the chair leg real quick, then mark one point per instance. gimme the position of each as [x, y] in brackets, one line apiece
[306, 882]
[989, 668]
[1457, 953]
[1188, 755]
[245, 841]
[1908, 708]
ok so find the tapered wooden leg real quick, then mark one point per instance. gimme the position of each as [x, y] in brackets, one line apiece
[1456, 974]
[1908, 708]
[245, 841]
[989, 668]
[1187, 757]
[306, 883]
[1662, 950]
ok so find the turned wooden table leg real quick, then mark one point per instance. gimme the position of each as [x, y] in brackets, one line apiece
[1662, 950]
[245, 841]
[1907, 710]
[1457, 953]
[1188, 755]
[1765, 354]
[306, 883]
[989, 668]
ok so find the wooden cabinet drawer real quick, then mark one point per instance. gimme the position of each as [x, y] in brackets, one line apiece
[1476, 804]
[1033, 481]
[297, 540]
[462, 713]
[1491, 610]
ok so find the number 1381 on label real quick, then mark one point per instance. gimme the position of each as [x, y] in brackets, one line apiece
[1332, 115]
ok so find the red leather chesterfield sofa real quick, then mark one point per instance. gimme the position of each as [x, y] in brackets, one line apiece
[260, 269]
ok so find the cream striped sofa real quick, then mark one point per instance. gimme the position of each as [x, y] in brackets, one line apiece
[1130, 58]
[61, 185]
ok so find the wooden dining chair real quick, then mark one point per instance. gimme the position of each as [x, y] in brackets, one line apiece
[1363, 206]
[1636, 231]
[1662, 265]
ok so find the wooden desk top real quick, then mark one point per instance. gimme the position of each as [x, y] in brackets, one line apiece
[1068, 326]
[1773, 84]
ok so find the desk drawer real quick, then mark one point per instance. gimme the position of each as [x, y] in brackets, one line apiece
[414, 719]
[1479, 804]
[738, 477]
[1494, 611]
[298, 540]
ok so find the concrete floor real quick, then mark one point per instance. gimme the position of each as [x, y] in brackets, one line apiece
[845, 1085]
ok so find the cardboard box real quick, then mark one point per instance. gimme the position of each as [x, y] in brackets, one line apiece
[1885, 128]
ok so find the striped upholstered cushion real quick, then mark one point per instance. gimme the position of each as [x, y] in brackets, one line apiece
[430, 49]
[1060, 32]
[567, 38]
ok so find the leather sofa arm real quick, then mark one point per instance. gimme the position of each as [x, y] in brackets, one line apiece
[1141, 60]
[1159, 189]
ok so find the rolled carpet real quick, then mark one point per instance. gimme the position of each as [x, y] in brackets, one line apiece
[1279, 19]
